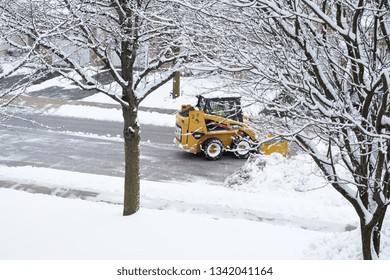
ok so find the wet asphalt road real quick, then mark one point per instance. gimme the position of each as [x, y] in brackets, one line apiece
[96, 147]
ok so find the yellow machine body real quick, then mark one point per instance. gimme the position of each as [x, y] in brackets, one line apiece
[194, 129]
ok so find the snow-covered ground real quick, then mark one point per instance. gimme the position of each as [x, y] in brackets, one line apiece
[280, 212]
[110, 114]
[55, 228]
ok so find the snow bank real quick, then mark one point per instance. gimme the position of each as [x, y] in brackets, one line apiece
[296, 184]
[291, 185]
[296, 174]
[110, 114]
[54, 82]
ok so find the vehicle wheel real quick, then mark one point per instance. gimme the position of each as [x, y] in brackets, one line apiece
[242, 147]
[212, 148]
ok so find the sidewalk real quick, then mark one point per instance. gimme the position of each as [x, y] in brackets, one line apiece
[59, 192]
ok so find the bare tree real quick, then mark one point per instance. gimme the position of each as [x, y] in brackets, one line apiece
[135, 43]
[16, 53]
[324, 65]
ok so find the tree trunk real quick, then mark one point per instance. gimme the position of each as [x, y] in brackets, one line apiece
[367, 241]
[377, 230]
[371, 234]
[131, 133]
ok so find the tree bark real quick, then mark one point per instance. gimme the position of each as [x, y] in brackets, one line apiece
[367, 241]
[371, 236]
[377, 230]
[131, 133]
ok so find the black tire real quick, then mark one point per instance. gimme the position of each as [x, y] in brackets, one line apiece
[242, 147]
[212, 148]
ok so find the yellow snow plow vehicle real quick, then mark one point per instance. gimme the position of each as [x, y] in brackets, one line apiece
[216, 125]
